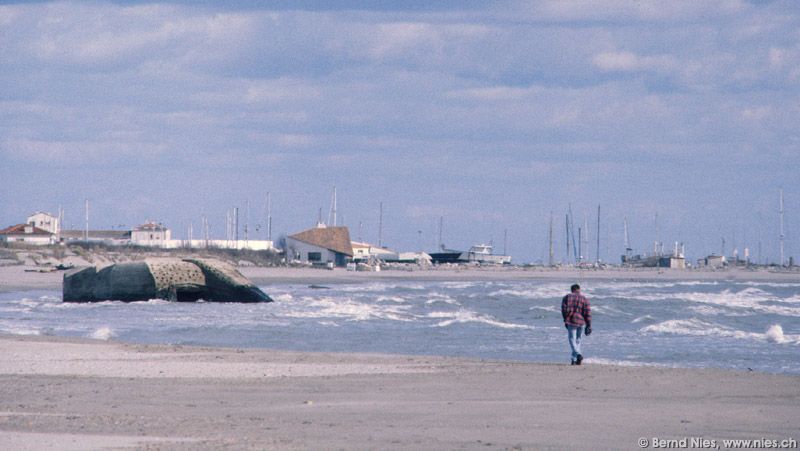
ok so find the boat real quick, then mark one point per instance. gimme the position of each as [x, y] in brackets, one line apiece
[479, 253]
[482, 253]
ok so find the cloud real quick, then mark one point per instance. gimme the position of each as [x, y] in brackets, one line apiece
[407, 103]
[626, 10]
[630, 62]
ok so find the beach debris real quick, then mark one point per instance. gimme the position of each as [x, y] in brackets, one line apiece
[173, 279]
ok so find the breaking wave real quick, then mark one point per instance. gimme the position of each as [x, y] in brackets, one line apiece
[467, 316]
[696, 327]
[103, 333]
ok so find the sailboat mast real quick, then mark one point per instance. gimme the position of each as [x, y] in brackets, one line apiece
[597, 254]
[441, 226]
[269, 216]
[380, 226]
[86, 230]
[550, 259]
[566, 223]
[782, 236]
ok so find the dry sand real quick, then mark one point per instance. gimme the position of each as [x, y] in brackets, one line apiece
[83, 394]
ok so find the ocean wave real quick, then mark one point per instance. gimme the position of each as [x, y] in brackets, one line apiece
[468, 316]
[770, 284]
[282, 297]
[749, 298]
[103, 333]
[443, 300]
[21, 331]
[643, 318]
[546, 308]
[459, 285]
[696, 327]
[348, 309]
[396, 299]
[538, 292]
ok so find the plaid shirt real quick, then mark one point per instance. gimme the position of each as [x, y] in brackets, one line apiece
[575, 310]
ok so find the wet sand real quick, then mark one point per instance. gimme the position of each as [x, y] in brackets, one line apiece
[81, 394]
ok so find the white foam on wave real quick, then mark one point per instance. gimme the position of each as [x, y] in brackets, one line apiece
[696, 327]
[147, 302]
[643, 318]
[443, 301]
[537, 292]
[396, 299]
[749, 298]
[546, 308]
[348, 309]
[21, 331]
[468, 316]
[459, 285]
[435, 297]
[282, 297]
[770, 284]
[103, 333]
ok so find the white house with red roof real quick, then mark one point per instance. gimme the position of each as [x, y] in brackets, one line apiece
[27, 234]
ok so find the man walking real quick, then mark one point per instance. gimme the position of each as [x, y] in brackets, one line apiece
[577, 313]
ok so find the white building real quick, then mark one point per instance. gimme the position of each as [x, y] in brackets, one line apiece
[44, 221]
[27, 234]
[151, 234]
[321, 245]
[360, 250]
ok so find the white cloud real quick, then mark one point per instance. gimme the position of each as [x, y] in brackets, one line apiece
[630, 62]
[627, 10]
[496, 93]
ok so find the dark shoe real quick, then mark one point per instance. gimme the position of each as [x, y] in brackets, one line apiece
[572, 362]
[579, 360]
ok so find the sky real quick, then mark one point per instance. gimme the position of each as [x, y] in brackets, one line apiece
[489, 115]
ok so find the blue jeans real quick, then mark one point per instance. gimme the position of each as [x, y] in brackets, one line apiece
[574, 333]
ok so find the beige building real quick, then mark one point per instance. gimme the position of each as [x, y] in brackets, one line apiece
[321, 245]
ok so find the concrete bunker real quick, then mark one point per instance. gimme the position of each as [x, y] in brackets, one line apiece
[173, 279]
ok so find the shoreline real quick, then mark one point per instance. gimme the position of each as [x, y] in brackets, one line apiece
[97, 394]
[27, 278]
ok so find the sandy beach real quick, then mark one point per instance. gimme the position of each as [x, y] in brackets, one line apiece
[83, 394]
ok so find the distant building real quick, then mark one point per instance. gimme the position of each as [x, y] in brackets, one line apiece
[672, 262]
[360, 250]
[321, 245]
[365, 251]
[44, 221]
[150, 234]
[27, 234]
[715, 261]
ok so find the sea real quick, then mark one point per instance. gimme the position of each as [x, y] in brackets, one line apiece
[742, 325]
